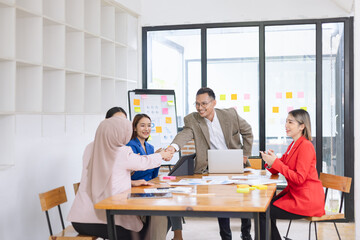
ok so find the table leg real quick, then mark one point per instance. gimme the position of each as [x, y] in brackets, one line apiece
[257, 226]
[111, 226]
[267, 224]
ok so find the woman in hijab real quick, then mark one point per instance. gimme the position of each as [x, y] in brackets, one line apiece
[107, 166]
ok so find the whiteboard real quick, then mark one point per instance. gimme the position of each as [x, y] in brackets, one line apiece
[160, 106]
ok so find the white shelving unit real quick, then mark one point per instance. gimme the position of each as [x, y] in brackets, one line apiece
[64, 57]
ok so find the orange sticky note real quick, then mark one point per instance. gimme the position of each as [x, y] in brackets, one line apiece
[233, 96]
[288, 94]
[158, 129]
[137, 102]
[168, 119]
[275, 109]
[246, 108]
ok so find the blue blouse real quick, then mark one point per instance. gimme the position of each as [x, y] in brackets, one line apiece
[137, 148]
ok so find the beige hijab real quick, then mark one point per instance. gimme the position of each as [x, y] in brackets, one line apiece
[111, 134]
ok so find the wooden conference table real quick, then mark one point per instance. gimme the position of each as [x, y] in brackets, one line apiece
[205, 201]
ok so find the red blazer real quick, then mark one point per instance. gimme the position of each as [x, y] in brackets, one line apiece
[304, 194]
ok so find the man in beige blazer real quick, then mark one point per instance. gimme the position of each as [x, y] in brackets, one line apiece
[215, 129]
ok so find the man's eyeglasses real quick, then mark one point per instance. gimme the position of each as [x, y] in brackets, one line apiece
[202, 104]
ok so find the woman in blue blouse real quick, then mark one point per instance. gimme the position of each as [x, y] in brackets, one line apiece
[139, 145]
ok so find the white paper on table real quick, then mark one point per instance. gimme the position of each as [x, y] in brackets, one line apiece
[260, 181]
[189, 181]
[166, 190]
[209, 178]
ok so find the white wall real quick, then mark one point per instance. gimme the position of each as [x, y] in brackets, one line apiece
[357, 116]
[170, 12]
[133, 5]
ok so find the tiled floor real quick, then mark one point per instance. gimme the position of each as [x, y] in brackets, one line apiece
[207, 228]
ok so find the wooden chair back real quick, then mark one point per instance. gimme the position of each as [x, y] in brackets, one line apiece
[52, 198]
[76, 187]
[340, 183]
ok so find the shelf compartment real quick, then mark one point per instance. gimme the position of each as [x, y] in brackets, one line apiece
[74, 50]
[107, 58]
[7, 29]
[28, 88]
[54, 9]
[132, 67]
[121, 94]
[28, 37]
[92, 98]
[34, 6]
[92, 16]
[107, 94]
[132, 31]
[121, 62]
[9, 2]
[54, 44]
[53, 91]
[75, 13]
[74, 94]
[92, 55]
[108, 21]
[7, 141]
[7, 86]
[121, 27]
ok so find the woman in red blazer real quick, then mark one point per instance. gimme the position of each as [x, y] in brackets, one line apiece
[304, 195]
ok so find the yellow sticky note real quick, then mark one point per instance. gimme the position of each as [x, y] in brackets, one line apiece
[246, 108]
[137, 109]
[150, 138]
[170, 103]
[168, 119]
[275, 109]
[158, 129]
[304, 108]
[288, 94]
[222, 97]
[260, 187]
[233, 96]
[243, 190]
[137, 102]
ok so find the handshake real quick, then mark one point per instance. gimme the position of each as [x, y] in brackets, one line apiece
[167, 153]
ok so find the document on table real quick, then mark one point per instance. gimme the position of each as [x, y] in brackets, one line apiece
[208, 180]
[169, 189]
[259, 181]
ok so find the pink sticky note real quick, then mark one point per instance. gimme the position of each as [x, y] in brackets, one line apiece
[300, 94]
[290, 109]
[279, 95]
[246, 96]
[165, 111]
[164, 98]
[144, 96]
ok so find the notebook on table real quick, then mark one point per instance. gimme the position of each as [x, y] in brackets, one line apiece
[225, 161]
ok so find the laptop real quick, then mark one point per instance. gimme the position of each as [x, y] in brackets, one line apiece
[225, 161]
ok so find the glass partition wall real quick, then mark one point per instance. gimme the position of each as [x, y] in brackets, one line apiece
[264, 70]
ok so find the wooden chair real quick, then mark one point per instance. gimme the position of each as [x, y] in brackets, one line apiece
[255, 162]
[76, 187]
[54, 198]
[335, 182]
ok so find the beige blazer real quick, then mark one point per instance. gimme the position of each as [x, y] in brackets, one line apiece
[232, 126]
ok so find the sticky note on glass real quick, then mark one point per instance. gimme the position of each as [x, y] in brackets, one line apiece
[288, 94]
[170, 103]
[137, 102]
[164, 98]
[168, 119]
[144, 96]
[246, 108]
[304, 108]
[300, 95]
[233, 96]
[275, 109]
[150, 138]
[246, 96]
[137, 109]
[158, 129]
[165, 111]
[279, 95]
[290, 109]
[222, 97]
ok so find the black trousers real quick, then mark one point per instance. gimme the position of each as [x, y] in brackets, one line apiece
[275, 213]
[100, 230]
[225, 231]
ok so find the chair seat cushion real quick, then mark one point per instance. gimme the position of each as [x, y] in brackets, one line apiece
[327, 216]
[69, 233]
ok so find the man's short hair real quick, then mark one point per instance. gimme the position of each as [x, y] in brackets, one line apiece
[207, 90]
